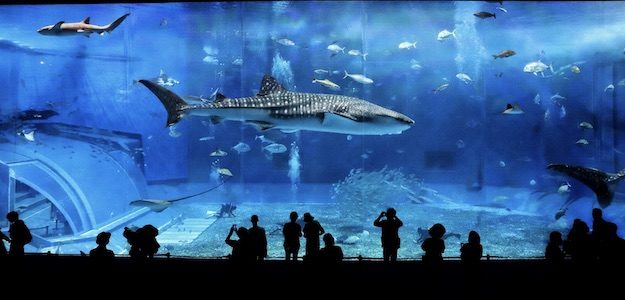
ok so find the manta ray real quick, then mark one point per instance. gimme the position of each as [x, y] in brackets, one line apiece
[276, 108]
[600, 182]
[159, 205]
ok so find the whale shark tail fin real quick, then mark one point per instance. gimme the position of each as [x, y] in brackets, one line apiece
[173, 103]
[112, 26]
[600, 182]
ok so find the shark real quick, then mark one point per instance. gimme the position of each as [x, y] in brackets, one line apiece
[159, 205]
[274, 107]
[83, 27]
[600, 182]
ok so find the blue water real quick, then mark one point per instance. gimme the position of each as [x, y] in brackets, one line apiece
[460, 142]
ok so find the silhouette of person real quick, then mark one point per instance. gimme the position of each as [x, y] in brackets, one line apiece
[613, 247]
[3, 248]
[312, 231]
[241, 250]
[292, 232]
[258, 239]
[471, 252]
[434, 246]
[133, 240]
[330, 253]
[553, 252]
[101, 252]
[578, 242]
[599, 233]
[390, 233]
[147, 240]
[18, 233]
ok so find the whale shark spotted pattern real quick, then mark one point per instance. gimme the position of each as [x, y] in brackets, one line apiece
[598, 181]
[276, 108]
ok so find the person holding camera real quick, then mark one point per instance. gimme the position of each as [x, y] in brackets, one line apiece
[390, 233]
[241, 250]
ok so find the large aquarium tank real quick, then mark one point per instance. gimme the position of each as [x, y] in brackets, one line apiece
[501, 117]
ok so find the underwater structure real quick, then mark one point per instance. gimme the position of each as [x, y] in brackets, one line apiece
[503, 117]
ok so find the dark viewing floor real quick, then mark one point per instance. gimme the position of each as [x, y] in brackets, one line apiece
[506, 278]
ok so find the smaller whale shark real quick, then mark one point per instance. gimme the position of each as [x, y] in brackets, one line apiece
[83, 27]
[598, 181]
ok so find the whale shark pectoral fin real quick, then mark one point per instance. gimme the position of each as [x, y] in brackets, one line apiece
[346, 115]
[269, 85]
[260, 125]
[57, 26]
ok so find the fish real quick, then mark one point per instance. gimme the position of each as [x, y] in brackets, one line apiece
[564, 188]
[445, 34]
[512, 110]
[560, 213]
[355, 52]
[485, 14]
[585, 125]
[414, 64]
[274, 107]
[335, 49]
[358, 78]
[407, 45]
[562, 111]
[275, 148]
[464, 78]
[237, 61]
[600, 182]
[327, 83]
[441, 88]
[557, 98]
[321, 71]
[83, 27]
[621, 83]
[29, 136]
[575, 69]
[502, 9]
[224, 171]
[207, 138]
[159, 205]
[264, 139]
[609, 88]
[502, 164]
[218, 152]
[582, 142]
[536, 67]
[285, 42]
[241, 147]
[503, 54]
[32, 114]
[537, 99]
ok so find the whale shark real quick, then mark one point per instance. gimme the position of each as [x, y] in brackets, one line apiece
[83, 27]
[600, 182]
[274, 107]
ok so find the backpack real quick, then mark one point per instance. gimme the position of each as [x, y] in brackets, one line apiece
[27, 236]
